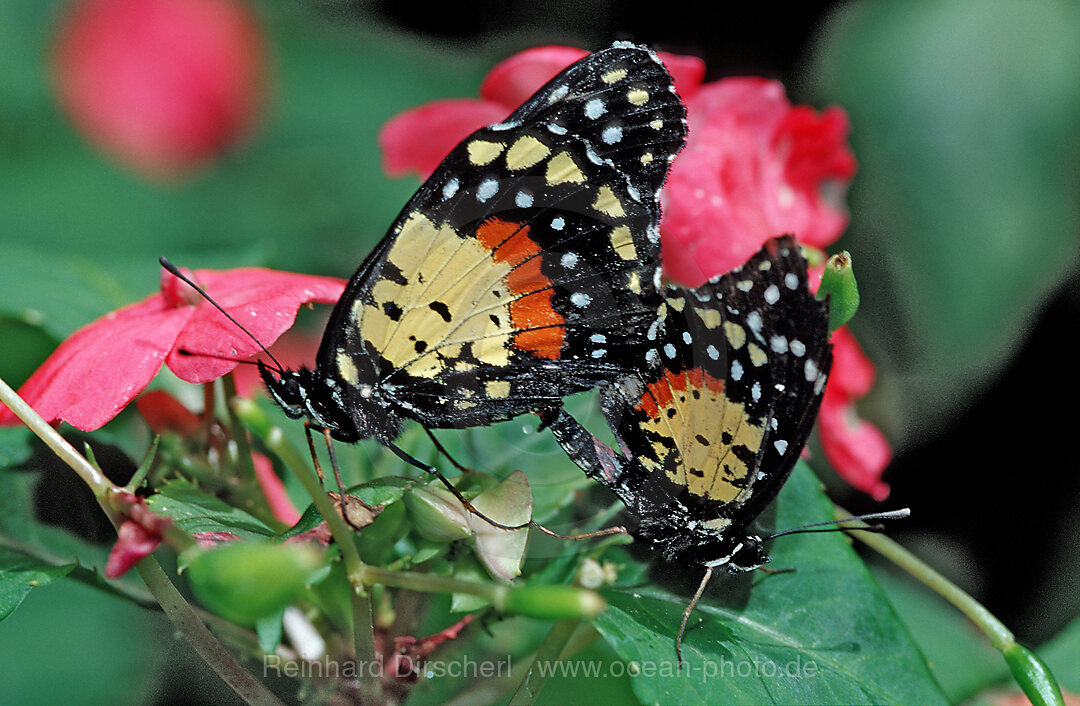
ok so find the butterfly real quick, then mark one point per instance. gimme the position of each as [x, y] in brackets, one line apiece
[712, 423]
[516, 275]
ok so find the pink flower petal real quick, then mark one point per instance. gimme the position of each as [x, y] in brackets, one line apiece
[512, 81]
[161, 85]
[163, 412]
[102, 367]
[855, 448]
[749, 173]
[133, 543]
[419, 139]
[264, 301]
[274, 491]
[852, 372]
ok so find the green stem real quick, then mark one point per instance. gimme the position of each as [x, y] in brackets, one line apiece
[239, 433]
[431, 583]
[176, 608]
[200, 638]
[363, 630]
[95, 479]
[1030, 672]
[550, 650]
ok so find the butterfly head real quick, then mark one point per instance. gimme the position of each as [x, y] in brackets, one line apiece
[735, 554]
[303, 393]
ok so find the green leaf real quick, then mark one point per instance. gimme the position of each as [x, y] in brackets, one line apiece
[823, 633]
[964, 122]
[14, 446]
[194, 510]
[1062, 654]
[959, 656]
[19, 574]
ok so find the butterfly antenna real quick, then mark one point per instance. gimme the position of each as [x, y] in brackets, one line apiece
[175, 272]
[840, 525]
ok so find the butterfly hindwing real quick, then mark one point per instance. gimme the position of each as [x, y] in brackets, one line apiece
[714, 421]
[513, 277]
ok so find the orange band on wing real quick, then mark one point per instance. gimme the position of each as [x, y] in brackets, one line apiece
[660, 394]
[541, 329]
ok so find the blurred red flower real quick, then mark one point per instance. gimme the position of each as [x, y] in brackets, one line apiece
[754, 167]
[101, 367]
[139, 534]
[162, 86]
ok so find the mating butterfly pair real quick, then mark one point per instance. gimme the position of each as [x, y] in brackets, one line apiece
[526, 269]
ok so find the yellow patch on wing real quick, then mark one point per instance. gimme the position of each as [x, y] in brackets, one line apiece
[454, 302]
[562, 169]
[623, 242]
[613, 76]
[757, 356]
[347, 368]
[736, 334]
[526, 152]
[608, 203]
[705, 428]
[482, 152]
[710, 317]
[637, 96]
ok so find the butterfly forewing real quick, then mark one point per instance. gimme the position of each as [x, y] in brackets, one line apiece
[516, 274]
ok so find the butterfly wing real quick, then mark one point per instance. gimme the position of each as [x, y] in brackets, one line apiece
[512, 278]
[712, 425]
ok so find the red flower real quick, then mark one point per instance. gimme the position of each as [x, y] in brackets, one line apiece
[163, 86]
[754, 167]
[137, 536]
[99, 369]
[854, 447]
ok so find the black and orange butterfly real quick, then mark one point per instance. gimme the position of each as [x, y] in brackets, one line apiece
[712, 424]
[517, 275]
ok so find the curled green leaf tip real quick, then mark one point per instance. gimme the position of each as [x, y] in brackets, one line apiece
[838, 283]
[1033, 676]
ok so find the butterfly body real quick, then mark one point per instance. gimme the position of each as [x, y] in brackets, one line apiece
[518, 274]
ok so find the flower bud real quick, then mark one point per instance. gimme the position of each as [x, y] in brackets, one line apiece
[838, 282]
[436, 514]
[246, 581]
[554, 602]
[509, 503]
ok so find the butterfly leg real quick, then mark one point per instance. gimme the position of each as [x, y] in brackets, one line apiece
[442, 450]
[689, 610]
[450, 486]
[343, 498]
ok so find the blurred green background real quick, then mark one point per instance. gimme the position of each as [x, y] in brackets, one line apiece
[964, 235]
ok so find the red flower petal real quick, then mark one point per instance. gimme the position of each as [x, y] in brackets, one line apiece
[746, 175]
[133, 543]
[852, 372]
[418, 139]
[274, 491]
[264, 301]
[161, 85]
[103, 366]
[855, 448]
[163, 412]
[98, 370]
[512, 81]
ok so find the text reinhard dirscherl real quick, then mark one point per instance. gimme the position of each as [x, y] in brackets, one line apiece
[466, 667]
